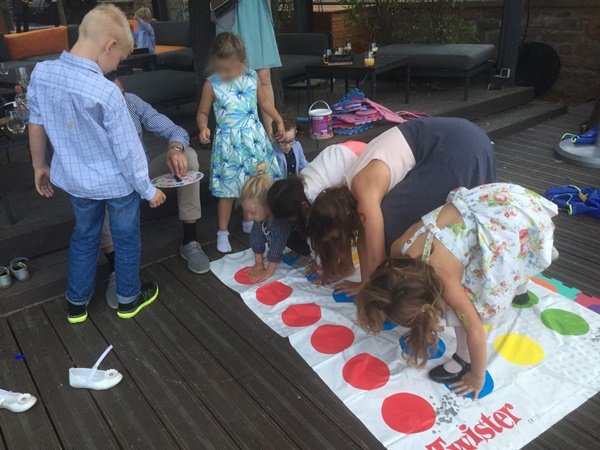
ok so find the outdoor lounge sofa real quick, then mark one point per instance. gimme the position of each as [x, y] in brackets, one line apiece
[445, 60]
[297, 50]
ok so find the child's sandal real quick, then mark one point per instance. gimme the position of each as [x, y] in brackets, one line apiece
[5, 278]
[15, 401]
[19, 269]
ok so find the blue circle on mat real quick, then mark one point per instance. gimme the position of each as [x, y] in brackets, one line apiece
[342, 297]
[388, 325]
[290, 258]
[488, 386]
[312, 277]
[441, 348]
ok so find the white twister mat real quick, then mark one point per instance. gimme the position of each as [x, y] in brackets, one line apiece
[544, 361]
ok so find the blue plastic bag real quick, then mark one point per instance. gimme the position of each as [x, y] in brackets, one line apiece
[576, 201]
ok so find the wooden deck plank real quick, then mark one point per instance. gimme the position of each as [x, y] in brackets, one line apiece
[78, 421]
[129, 414]
[234, 408]
[188, 421]
[33, 429]
[275, 353]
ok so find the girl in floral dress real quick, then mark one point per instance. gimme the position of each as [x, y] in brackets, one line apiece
[466, 261]
[240, 141]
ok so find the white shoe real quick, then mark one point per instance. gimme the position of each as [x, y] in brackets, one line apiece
[555, 254]
[15, 401]
[99, 380]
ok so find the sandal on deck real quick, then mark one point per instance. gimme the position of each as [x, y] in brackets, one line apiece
[99, 380]
[5, 279]
[19, 269]
[15, 401]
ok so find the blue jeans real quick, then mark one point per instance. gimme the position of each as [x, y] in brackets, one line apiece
[124, 214]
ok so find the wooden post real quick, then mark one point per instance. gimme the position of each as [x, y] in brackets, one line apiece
[303, 16]
[276, 72]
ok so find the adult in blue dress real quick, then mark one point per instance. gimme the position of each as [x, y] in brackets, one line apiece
[253, 22]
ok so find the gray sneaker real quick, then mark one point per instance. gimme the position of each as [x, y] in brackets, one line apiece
[197, 260]
[111, 292]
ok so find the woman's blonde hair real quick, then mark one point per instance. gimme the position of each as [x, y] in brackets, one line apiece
[106, 21]
[143, 13]
[228, 45]
[408, 292]
[257, 187]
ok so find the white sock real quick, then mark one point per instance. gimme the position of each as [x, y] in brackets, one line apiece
[555, 254]
[247, 226]
[462, 351]
[223, 244]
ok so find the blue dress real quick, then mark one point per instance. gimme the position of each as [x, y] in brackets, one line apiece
[240, 141]
[254, 24]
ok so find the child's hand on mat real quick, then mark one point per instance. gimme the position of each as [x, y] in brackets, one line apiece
[42, 182]
[255, 269]
[204, 136]
[261, 276]
[177, 163]
[158, 199]
[470, 383]
[350, 288]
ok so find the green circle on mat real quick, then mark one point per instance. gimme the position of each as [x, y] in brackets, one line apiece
[533, 300]
[565, 322]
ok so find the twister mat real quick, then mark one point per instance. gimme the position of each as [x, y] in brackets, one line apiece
[543, 362]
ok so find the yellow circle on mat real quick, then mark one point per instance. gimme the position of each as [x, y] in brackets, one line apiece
[519, 349]
[355, 259]
[487, 328]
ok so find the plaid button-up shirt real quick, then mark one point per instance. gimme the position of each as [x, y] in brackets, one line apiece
[97, 152]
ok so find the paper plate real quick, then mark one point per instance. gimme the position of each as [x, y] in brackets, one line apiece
[168, 181]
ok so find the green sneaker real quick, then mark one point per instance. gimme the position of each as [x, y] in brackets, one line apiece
[147, 295]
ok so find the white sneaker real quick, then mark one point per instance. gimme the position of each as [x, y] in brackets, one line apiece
[99, 380]
[15, 401]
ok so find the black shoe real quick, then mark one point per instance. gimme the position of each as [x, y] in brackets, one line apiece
[521, 299]
[76, 313]
[147, 295]
[441, 375]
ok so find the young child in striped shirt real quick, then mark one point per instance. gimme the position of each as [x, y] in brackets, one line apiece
[265, 230]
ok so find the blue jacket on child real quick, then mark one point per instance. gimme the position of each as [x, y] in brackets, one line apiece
[301, 161]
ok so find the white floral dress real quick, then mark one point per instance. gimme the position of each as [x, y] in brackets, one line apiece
[240, 141]
[505, 239]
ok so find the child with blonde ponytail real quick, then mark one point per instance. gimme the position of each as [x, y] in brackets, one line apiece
[265, 230]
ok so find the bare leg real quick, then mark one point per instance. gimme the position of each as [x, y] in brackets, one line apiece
[462, 350]
[224, 212]
[264, 78]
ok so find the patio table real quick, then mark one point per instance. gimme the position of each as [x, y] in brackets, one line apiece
[358, 70]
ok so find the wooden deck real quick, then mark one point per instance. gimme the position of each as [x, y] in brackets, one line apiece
[201, 371]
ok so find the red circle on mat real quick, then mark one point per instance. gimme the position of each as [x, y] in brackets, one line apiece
[273, 293]
[331, 339]
[366, 372]
[407, 413]
[301, 315]
[241, 276]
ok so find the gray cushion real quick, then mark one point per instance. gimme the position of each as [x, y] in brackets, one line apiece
[40, 58]
[442, 57]
[294, 66]
[29, 65]
[172, 33]
[161, 86]
[303, 43]
[177, 60]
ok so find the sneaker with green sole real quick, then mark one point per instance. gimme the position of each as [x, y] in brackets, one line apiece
[76, 313]
[147, 295]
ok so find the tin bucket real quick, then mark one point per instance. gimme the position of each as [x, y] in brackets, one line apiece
[321, 121]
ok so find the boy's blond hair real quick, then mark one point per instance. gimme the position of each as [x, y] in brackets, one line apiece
[106, 21]
[143, 13]
[257, 186]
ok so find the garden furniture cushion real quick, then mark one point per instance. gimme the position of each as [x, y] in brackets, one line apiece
[442, 57]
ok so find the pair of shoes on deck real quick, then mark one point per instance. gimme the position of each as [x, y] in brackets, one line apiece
[148, 293]
[16, 269]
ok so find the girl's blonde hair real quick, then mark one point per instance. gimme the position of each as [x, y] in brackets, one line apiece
[408, 292]
[143, 13]
[228, 45]
[257, 187]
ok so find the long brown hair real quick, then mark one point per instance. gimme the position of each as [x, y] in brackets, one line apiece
[408, 292]
[333, 227]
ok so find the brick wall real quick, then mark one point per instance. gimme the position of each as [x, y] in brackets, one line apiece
[571, 27]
